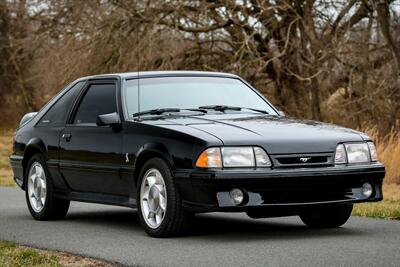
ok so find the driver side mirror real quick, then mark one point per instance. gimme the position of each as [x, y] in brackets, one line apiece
[111, 119]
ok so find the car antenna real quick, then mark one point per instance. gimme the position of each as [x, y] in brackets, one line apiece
[138, 64]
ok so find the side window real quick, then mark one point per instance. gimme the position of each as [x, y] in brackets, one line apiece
[99, 99]
[57, 114]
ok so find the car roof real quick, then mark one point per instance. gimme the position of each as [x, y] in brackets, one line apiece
[145, 74]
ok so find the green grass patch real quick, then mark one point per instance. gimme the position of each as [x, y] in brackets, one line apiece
[12, 255]
[387, 209]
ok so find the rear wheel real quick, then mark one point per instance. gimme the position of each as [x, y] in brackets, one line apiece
[159, 203]
[327, 217]
[39, 192]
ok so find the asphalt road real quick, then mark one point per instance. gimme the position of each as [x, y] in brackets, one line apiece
[115, 234]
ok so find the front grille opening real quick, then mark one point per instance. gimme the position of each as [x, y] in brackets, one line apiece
[303, 160]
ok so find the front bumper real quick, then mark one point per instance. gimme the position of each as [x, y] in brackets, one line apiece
[18, 170]
[204, 191]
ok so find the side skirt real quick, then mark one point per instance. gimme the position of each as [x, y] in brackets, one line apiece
[98, 198]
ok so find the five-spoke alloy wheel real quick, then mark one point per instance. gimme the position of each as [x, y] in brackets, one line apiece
[160, 208]
[153, 198]
[39, 193]
[37, 188]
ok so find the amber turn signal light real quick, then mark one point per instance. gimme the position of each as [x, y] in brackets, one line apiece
[210, 158]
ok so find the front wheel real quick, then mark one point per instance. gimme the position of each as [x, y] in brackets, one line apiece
[39, 192]
[159, 203]
[327, 217]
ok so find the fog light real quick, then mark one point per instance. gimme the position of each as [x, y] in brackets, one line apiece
[237, 196]
[366, 189]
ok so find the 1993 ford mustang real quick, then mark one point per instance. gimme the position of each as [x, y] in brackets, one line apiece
[172, 144]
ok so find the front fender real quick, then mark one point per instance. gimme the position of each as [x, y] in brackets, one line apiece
[153, 149]
[35, 144]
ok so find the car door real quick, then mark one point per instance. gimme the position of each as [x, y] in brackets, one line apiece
[50, 127]
[90, 155]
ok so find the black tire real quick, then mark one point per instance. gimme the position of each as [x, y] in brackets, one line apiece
[175, 218]
[53, 208]
[327, 217]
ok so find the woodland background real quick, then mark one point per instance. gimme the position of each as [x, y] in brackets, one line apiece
[331, 60]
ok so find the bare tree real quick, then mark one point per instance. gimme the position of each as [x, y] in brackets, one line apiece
[322, 59]
[382, 7]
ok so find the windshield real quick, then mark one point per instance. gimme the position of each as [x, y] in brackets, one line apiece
[191, 92]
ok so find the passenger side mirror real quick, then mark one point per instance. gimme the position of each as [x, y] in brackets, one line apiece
[111, 119]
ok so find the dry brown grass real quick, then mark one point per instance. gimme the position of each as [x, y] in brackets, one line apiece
[388, 147]
[6, 177]
[5, 151]
[391, 192]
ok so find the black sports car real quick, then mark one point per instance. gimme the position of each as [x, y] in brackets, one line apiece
[172, 144]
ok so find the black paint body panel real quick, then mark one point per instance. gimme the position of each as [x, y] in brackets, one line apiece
[101, 164]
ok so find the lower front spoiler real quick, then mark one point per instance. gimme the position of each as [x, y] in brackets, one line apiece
[294, 193]
[225, 204]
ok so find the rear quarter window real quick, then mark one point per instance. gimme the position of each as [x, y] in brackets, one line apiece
[58, 113]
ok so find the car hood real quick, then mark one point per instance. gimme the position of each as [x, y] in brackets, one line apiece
[278, 135]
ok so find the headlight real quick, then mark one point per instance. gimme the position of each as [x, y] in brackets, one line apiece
[238, 157]
[340, 156]
[372, 150]
[262, 158]
[216, 157]
[355, 153]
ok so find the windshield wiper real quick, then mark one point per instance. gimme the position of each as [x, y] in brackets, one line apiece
[258, 110]
[160, 111]
[220, 107]
[196, 109]
[157, 111]
[223, 108]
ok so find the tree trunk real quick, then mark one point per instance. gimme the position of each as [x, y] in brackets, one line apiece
[315, 100]
[382, 7]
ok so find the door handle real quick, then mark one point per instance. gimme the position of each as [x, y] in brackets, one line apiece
[67, 137]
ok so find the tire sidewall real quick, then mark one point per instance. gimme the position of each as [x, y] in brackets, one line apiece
[329, 217]
[165, 171]
[49, 187]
